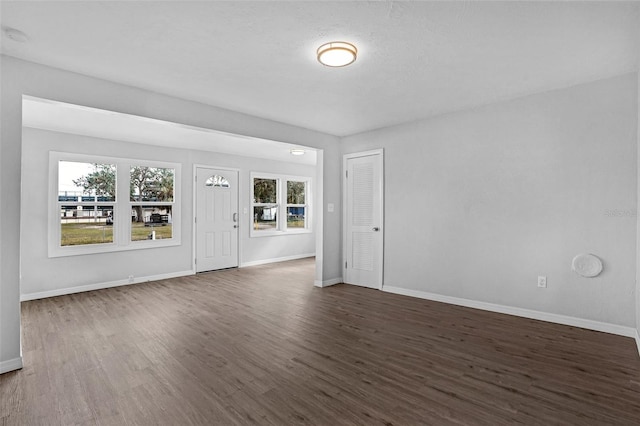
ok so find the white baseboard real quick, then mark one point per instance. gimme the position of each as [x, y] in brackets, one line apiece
[10, 365]
[327, 283]
[520, 312]
[109, 284]
[638, 341]
[277, 259]
[100, 286]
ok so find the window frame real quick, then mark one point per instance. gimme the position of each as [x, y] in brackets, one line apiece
[122, 206]
[282, 205]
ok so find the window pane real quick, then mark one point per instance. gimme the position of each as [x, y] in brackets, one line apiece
[81, 225]
[295, 217]
[264, 190]
[151, 184]
[91, 181]
[217, 180]
[295, 192]
[265, 218]
[151, 222]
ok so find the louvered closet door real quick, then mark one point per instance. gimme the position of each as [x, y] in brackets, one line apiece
[364, 233]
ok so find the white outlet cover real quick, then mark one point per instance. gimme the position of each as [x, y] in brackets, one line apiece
[587, 265]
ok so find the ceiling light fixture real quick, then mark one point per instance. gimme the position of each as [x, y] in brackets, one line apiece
[337, 54]
[297, 152]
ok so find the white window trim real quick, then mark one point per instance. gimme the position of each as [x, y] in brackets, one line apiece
[121, 207]
[281, 201]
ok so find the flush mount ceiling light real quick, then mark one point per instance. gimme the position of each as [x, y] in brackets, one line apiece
[337, 54]
[297, 152]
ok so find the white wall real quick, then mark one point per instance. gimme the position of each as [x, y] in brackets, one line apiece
[43, 274]
[638, 229]
[481, 202]
[24, 78]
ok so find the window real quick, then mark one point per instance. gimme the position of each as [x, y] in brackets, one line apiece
[265, 204]
[216, 180]
[280, 204]
[151, 197]
[91, 213]
[296, 206]
[86, 202]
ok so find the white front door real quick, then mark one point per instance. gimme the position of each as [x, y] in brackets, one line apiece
[363, 218]
[216, 219]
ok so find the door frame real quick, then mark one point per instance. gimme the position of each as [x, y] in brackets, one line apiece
[346, 157]
[194, 207]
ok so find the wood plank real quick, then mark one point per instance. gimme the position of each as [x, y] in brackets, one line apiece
[261, 345]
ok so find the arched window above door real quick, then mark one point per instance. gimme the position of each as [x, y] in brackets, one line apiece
[217, 180]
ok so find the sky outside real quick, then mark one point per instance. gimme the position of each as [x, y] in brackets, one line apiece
[69, 171]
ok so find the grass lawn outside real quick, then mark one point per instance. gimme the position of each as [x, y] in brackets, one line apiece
[295, 223]
[140, 232]
[262, 225]
[73, 234]
[272, 224]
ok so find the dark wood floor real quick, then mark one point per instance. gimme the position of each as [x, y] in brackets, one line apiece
[260, 345]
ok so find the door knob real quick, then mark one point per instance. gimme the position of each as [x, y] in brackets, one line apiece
[376, 229]
[235, 217]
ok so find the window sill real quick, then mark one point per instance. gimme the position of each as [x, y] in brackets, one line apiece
[111, 248]
[258, 234]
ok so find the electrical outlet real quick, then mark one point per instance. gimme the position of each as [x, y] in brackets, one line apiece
[131, 279]
[542, 282]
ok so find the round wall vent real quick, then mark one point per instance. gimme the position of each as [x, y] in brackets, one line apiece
[587, 265]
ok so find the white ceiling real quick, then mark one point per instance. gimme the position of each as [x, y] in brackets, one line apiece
[67, 118]
[416, 59]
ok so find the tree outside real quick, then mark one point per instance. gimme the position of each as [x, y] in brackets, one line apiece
[101, 182]
[295, 192]
[150, 184]
[264, 191]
